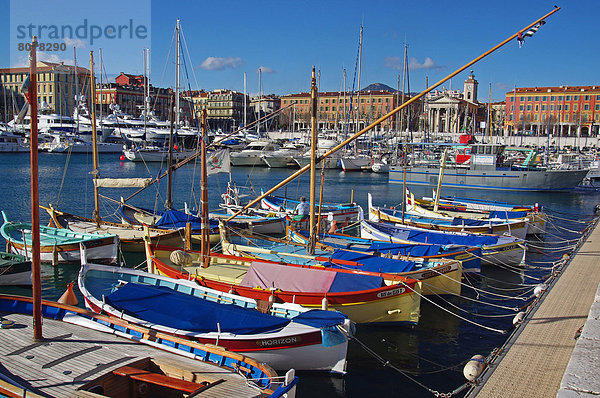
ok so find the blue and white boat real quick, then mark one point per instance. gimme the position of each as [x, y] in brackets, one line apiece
[496, 249]
[282, 336]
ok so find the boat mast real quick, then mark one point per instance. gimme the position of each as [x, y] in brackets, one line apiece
[313, 163]
[101, 100]
[169, 201]
[177, 77]
[205, 248]
[145, 94]
[358, 92]
[259, 99]
[76, 88]
[94, 142]
[403, 85]
[489, 113]
[245, 105]
[35, 197]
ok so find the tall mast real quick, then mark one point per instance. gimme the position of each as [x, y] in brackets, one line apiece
[177, 77]
[76, 87]
[259, 99]
[489, 114]
[94, 141]
[35, 197]
[313, 164]
[169, 201]
[101, 100]
[245, 105]
[145, 95]
[205, 248]
[403, 85]
[345, 103]
[358, 92]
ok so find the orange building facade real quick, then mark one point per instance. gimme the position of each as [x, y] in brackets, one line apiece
[567, 111]
[333, 110]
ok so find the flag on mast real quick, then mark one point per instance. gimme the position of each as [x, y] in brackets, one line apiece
[521, 37]
[218, 162]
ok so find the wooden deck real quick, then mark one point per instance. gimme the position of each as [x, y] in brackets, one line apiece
[535, 363]
[72, 355]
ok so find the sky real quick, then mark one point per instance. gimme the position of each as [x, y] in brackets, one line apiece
[285, 39]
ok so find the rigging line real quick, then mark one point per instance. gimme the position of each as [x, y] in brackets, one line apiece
[62, 182]
[423, 297]
[515, 309]
[387, 363]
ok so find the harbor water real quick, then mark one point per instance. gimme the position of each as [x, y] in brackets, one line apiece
[385, 360]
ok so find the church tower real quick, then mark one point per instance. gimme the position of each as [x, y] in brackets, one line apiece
[470, 90]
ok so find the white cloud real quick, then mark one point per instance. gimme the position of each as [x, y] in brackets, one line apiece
[217, 63]
[427, 64]
[23, 61]
[77, 43]
[265, 69]
[393, 63]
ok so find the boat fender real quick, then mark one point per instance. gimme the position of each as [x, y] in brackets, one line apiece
[539, 289]
[519, 318]
[474, 368]
[271, 299]
[180, 258]
[324, 304]
[68, 297]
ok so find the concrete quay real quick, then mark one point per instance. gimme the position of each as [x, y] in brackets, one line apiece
[551, 345]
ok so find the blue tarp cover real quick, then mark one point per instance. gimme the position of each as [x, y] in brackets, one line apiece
[164, 306]
[434, 237]
[507, 214]
[175, 219]
[320, 318]
[372, 263]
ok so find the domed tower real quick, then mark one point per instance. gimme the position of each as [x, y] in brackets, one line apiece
[470, 90]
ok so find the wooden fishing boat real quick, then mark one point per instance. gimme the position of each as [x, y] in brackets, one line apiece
[439, 276]
[496, 249]
[363, 298]
[341, 213]
[469, 256]
[516, 228]
[481, 208]
[58, 244]
[286, 335]
[170, 220]
[131, 237]
[15, 270]
[86, 354]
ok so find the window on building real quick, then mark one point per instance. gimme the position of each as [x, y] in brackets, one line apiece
[544, 98]
[575, 107]
[537, 108]
[552, 98]
[535, 117]
[597, 108]
[598, 98]
[521, 107]
[586, 98]
[566, 107]
[575, 97]
[543, 107]
[537, 97]
[586, 107]
[567, 98]
[551, 107]
[528, 107]
[566, 118]
[511, 117]
[512, 107]
[521, 98]
[528, 98]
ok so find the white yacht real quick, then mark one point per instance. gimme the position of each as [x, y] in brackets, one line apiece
[284, 157]
[251, 155]
[10, 142]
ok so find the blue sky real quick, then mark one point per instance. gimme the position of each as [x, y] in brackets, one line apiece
[285, 38]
